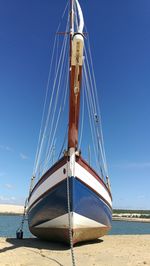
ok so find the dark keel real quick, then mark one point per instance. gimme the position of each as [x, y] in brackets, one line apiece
[62, 235]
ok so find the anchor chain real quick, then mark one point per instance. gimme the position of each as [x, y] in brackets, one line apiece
[70, 219]
[19, 231]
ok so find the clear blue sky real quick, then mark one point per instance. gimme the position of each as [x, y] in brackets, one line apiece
[120, 39]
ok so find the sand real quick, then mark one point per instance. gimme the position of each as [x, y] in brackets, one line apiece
[109, 251]
[132, 219]
[11, 209]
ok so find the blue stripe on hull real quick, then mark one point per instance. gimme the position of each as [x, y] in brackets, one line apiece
[83, 201]
[52, 205]
[87, 203]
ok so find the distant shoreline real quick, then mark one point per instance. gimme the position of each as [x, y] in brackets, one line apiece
[131, 215]
[10, 214]
[8, 209]
[118, 215]
[126, 219]
[121, 219]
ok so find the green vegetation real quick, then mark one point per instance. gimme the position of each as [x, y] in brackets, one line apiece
[145, 216]
[142, 212]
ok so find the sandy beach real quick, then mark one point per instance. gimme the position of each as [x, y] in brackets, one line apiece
[11, 209]
[108, 251]
[141, 220]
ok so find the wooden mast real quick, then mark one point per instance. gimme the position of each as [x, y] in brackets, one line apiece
[75, 84]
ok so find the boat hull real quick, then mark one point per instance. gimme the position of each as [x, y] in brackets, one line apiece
[90, 212]
[62, 235]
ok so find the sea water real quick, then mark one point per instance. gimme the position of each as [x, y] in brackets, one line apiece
[129, 228]
[10, 223]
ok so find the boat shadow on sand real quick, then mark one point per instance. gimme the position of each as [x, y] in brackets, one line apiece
[39, 244]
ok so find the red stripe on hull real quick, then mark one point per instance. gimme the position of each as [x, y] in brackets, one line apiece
[58, 165]
[53, 169]
[47, 191]
[44, 194]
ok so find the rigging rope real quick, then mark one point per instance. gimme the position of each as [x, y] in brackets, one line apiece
[42, 130]
[89, 113]
[63, 99]
[50, 109]
[94, 107]
[55, 104]
[63, 145]
[98, 106]
[40, 134]
[53, 90]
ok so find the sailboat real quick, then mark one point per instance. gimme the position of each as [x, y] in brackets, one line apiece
[70, 197]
